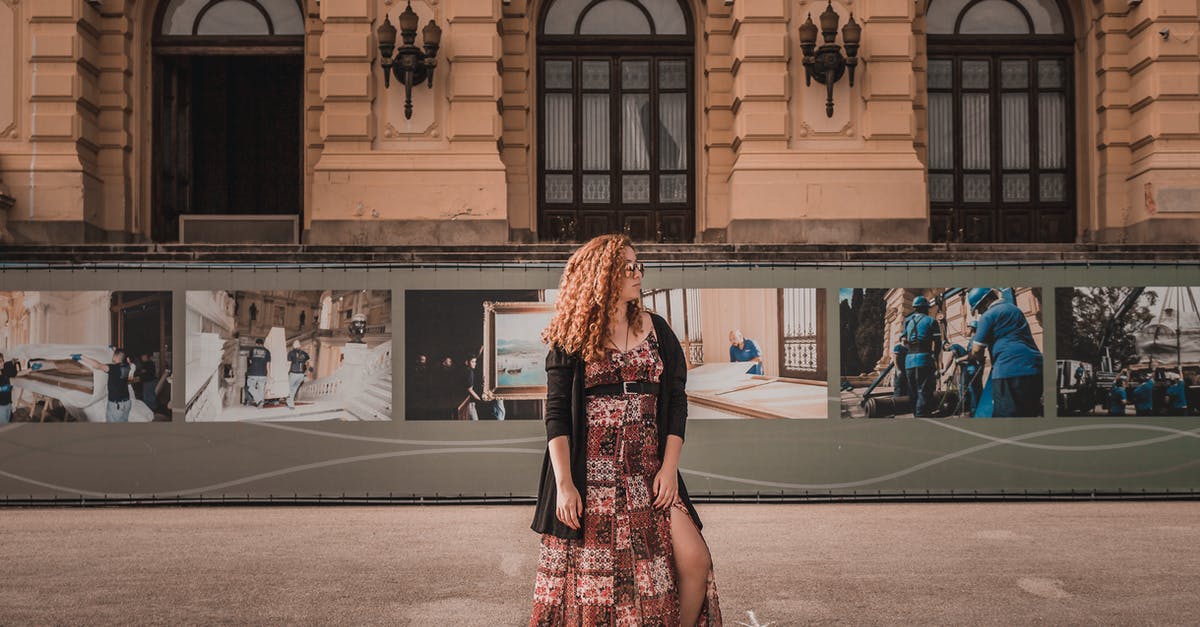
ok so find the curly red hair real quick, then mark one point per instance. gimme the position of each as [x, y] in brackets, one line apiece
[589, 298]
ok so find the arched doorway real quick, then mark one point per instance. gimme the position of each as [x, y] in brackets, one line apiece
[227, 101]
[615, 120]
[1001, 130]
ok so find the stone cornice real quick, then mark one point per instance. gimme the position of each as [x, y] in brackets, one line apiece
[16, 257]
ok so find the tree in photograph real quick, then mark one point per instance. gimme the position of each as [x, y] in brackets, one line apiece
[868, 337]
[1091, 310]
[850, 363]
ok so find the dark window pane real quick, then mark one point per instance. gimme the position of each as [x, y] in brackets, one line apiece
[672, 74]
[977, 188]
[1014, 73]
[975, 74]
[1016, 188]
[940, 74]
[595, 75]
[635, 74]
[558, 74]
[976, 132]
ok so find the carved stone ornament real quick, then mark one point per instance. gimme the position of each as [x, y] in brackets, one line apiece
[806, 130]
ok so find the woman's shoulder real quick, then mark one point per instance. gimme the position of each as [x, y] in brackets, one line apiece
[558, 356]
[662, 328]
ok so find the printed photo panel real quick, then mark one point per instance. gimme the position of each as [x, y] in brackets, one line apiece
[751, 353]
[85, 356]
[1128, 351]
[289, 355]
[941, 352]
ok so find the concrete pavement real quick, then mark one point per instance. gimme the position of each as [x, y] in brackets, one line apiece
[870, 564]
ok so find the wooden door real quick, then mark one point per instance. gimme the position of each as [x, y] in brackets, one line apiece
[171, 185]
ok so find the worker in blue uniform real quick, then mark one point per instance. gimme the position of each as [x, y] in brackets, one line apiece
[1177, 397]
[970, 379]
[1117, 398]
[1143, 397]
[923, 338]
[1016, 376]
[899, 377]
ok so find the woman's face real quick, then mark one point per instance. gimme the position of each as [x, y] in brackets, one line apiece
[631, 277]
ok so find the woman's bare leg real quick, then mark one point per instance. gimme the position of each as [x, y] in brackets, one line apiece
[692, 564]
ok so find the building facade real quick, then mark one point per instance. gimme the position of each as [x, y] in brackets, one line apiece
[1054, 121]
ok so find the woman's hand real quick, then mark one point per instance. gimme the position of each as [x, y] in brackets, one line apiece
[666, 488]
[570, 506]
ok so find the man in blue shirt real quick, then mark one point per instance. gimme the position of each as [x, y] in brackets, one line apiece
[119, 372]
[1143, 397]
[1016, 361]
[297, 371]
[258, 368]
[900, 377]
[744, 349]
[1117, 398]
[970, 379]
[1177, 398]
[923, 337]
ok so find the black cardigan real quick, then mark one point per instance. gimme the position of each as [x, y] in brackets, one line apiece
[565, 415]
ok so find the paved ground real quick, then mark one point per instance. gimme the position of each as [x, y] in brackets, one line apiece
[875, 564]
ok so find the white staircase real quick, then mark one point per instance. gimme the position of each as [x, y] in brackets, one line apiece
[363, 386]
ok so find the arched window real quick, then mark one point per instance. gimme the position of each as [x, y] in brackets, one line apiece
[1001, 160]
[615, 140]
[232, 17]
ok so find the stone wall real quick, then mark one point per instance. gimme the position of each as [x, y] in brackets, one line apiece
[75, 125]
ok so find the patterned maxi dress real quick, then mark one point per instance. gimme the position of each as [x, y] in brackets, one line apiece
[622, 571]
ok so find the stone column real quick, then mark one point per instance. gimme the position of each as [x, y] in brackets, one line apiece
[717, 123]
[347, 54]
[1163, 194]
[517, 92]
[760, 69]
[111, 145]
[62, 199]
[1113, 154]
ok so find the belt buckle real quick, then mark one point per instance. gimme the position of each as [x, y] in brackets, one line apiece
[625, 387]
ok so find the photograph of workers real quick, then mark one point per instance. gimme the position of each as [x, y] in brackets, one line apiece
[93, 356]
[1128, 351]
[301, 355]
[751, 353]
[941, 352]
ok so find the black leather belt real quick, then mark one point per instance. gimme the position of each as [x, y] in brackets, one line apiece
[622, 388]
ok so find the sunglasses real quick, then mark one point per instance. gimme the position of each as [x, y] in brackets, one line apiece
[635, 268]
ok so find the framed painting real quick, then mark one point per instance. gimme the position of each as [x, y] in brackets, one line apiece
[514, 357]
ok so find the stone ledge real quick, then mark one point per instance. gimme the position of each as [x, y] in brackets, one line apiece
[766, 254]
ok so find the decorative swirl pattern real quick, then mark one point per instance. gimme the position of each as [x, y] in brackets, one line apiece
[455, 447]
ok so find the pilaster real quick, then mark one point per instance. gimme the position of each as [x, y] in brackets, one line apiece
[1164, 122]
[760, 68]
[516, 117]
[717, 128]
[63, 198]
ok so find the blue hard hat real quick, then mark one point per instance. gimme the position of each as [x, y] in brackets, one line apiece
[920, 302]
[976, 295]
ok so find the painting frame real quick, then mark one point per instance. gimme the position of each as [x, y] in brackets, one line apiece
[492, 388]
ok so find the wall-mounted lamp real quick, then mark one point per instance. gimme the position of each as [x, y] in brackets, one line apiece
[827, 64]
[411, 66]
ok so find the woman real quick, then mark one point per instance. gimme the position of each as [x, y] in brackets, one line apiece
[621, 541]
